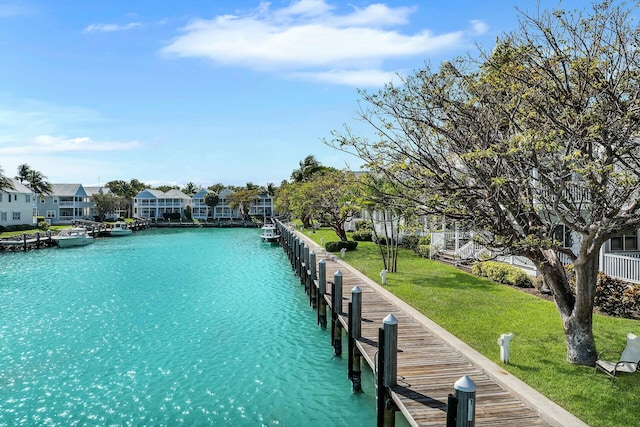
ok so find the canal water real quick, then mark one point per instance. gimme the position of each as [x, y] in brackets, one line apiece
[192, 327]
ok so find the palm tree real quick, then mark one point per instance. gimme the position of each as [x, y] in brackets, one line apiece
[23, 173]
[38, 182]
[5, 183]
[308, 167]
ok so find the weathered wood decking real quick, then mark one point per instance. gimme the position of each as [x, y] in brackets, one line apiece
[430, 361]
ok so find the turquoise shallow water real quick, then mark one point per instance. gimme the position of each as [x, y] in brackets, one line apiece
[189, 327]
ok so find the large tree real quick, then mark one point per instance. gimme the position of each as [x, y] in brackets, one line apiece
[330, 197]
[539, 133]
[108, 204]
[37, 182]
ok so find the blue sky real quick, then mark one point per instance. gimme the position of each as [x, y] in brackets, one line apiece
[240, 91]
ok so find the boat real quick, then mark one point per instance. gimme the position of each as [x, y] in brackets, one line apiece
[269, 233]
[120, 228]
[72, 236]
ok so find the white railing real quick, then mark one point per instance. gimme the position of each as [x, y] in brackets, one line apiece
[624, 267]
[437, 243]
[468, 250]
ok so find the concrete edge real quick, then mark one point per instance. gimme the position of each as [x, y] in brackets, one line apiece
[548, 410]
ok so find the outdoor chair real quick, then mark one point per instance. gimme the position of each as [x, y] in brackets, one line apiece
[628, 362]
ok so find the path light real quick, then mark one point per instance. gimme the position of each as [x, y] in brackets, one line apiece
[343, 251]
[383, 276]
[504, 342]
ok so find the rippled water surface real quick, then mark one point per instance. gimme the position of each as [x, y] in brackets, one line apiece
[188, 327]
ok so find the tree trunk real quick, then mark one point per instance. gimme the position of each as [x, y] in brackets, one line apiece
[576, 311]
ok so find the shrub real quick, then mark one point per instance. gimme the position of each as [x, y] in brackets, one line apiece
[423, 250]
[616, 297]
[383, 241]
[337, 246]
[411, 242]
[425, 240]
[362, 235]
[362, 224]
[43, 225]
[502, 273]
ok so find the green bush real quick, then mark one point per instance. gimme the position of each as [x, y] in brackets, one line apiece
[411, 242]
[362, 235]
[423, 250]
[362, 224]
[337, 246]
[616, 297]
[43, 225]
[425, 240]
[502, 273]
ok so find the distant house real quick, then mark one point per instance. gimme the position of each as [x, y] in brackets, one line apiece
[65, 204]
[199, 209]
[154, 203]
[262, 207]
[16, 205]
[222, 210]
[91, 191]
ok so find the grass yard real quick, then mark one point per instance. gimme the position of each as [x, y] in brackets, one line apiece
[477, 311]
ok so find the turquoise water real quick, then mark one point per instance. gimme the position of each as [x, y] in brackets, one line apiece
[189, 327]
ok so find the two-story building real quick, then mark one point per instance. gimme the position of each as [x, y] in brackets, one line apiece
[154, 203]
[199, 209]
[66, 204]
[16, 205]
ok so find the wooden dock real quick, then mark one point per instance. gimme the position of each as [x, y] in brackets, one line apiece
[430, 360]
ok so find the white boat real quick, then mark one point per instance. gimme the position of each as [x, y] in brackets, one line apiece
[269, 233]
[72, 236]
[120, 228]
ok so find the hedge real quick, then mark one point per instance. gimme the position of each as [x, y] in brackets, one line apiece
[502, 273]
[337, 246]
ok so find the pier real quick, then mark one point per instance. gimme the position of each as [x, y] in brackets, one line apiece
[417, 376]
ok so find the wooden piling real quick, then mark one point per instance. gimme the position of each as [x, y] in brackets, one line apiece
[355, 327]
[313, 291]
[322, 290]
[336, 310]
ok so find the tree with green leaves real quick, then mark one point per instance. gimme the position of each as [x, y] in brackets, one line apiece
[190, 189]
[308, 168]
[5, 183]
[23, 173]
[542, 132]
[330, 197]
[108, 204]
[242, 200]
[37, 182]
[211, 199]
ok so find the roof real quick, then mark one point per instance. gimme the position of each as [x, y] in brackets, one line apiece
[175, 194]
[67, 190]
[97, 190]
[148, 193]
[17, 187]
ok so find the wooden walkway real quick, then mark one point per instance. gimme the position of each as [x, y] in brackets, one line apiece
[428, 365]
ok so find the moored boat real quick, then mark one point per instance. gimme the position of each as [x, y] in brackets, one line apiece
[269, 233]
[72, 236]
[120, 228]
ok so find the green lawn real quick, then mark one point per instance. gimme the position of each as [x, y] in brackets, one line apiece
[478, 311]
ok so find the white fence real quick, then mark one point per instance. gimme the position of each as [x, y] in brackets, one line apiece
[624, 267]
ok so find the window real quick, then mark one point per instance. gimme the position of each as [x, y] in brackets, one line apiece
[3, 217]
[51, 214]
[16, 216]
[626, 242]
[0, 198]
[27, 198]
[563, 235]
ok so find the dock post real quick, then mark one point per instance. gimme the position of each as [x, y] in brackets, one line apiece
[355, 328]
[37, 239]
[305, 268]
[390, 369]
[336, 309]
[381, 394]
[465, 392]
[322, 290]
[313, 299]
[24, 241]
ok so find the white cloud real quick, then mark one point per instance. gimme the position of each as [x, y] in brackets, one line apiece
[110, 28]
[309, 38]
[42, 144]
